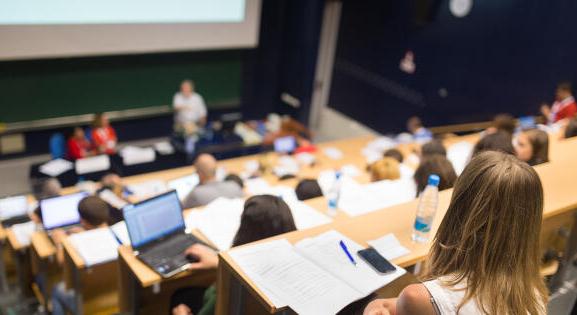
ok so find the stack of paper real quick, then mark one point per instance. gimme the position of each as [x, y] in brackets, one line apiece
[119, 229]
[305, 216]
[361, 199]
[95, 246]
[219, 221]
[147, 189]
[56, 167]
[389, 247]
[13, 206]
[164, 147]
[312, 277]
[23, 232]
[112, 199]
[132, 155]
[92, 164]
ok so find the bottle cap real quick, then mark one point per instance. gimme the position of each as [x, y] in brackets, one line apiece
[338, 174]
[434, 180]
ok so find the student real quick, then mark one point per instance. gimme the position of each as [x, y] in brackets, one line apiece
[94, 213]
[189, 109]
[435, 164]
[236, 179]
[308, 189]
[395, 154]
[385, 168]
[209, 188]
[564, 106]
[433, 147]
[41, 189]
[498, 141]
[113, 183]
[78, 146]
[485, 256]
[416, 128]
[103, 135]
[532, 146]
[264, 216]
[503, 122]
[571, 129]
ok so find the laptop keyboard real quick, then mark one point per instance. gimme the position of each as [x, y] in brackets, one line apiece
[170, 251]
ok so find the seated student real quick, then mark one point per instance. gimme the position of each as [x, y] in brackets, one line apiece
[209, 188]
[503, 122]
[308, 189]
[93, 214]
[483, 260]
[395, 154]
[235, 178]
[532, 146]
[264, 216]
[416, 128]
[78, 146]
[113, 183]
[564, 106]
[385, 168]
[498, 141]
[433, 147]
[278, 127]
[571, 129]
[435, 164]
[103, 135]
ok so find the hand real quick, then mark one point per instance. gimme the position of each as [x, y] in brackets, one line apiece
[58, 236]
[545, 110]
[207, 258]
[181, 310]
[377, 307]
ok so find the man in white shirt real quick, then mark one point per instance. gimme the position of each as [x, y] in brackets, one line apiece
[190, 110]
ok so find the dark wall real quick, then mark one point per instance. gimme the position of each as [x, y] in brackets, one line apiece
[505, 56]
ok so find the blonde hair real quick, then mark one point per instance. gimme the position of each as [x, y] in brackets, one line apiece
[385, 168]
[489, 237]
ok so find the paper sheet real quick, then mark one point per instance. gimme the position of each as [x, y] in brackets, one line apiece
[305, 216]
[147, 189]
[56, 167]
[164, 148]
[184, 185]
[219, 221]
[92, 164]
[459, 155]
[287, 278]
[259, 186]
[23, 232]
[119, 229]
[13, 206]
[360, 199]
[95, 246]
[132, 155]
[333, 153]
[305, 158]
[389, 247]
[112, 199]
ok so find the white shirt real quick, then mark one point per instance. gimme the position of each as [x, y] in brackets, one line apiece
[188, 109]
[448, 299]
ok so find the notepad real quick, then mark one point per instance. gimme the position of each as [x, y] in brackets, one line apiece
[312, 277]
[56, 167]
[95, 246]
[389, 247]
[92, 164]
[23, 232]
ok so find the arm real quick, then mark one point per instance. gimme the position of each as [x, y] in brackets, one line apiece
[413, 300]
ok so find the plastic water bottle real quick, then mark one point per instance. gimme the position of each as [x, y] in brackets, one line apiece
[426, 210]
[333, 195]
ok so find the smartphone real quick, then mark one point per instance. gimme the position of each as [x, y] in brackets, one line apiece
[378, 262]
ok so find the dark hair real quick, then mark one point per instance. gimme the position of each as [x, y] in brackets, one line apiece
[539, 140]
[395, 154]
[571, 129]
[263, 216]
[499, 141]
[94, 210]
[433, 147]
[308, 189]
[505, 122]
[565, 86]
[234, 178]
[435, 164]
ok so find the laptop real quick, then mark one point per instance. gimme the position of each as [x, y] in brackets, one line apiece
[61, 211]
[13, 210]
[285, 144]
[157, 232]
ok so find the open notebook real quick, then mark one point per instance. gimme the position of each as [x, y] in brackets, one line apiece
[312, 277]
[95, 246]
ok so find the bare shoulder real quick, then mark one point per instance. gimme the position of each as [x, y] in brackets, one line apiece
[415, 299]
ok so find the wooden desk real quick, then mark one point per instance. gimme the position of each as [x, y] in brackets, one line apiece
[5, 260]
[560, 202]
[44, 267]
[20, 255]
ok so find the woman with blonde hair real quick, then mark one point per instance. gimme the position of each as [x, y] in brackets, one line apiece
[385, 168]
[485, 256]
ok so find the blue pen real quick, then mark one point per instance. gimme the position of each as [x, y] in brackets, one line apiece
[346, 250]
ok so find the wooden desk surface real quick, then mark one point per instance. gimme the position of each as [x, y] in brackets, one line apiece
[42, 244]
[13, 241]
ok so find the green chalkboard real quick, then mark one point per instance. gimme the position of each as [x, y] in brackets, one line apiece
[31, 90]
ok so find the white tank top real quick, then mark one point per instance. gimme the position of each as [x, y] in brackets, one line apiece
[448, 299]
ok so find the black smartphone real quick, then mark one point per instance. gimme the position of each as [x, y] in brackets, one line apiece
[378, 262]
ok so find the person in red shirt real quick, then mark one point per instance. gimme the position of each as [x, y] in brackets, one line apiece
[564, 106]
[78, 146]
[103, 135]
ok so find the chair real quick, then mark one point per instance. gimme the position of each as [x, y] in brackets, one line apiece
[57, 145]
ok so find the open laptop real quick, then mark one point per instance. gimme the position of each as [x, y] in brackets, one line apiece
[157, 233]
[61, 211]
[285, 144]
[13, 210]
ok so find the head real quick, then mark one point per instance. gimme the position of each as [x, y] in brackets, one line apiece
[571, 129]
[100, 121]
[236, 179]
[413, 124]
[94, 212]
[498, 141]
[263, 216]
[435, 164]
[563, 91]
[308, 189]
[433, 147]
[46, 188]
[113, 182]
[505, 123]
[205, 165]
[187, 87]
[395, 154]
[385, 168]
[489, 236]
[78, 133]
[532, 146]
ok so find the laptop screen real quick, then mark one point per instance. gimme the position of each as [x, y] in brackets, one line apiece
[285, 144]
[61, 211]
[184, 185]
[154, 218]
[13, 206]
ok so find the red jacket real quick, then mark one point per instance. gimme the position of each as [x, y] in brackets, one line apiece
[78, 149]
[104, 140]
[566, 108]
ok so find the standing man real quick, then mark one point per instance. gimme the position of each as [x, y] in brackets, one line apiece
[190, 110]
